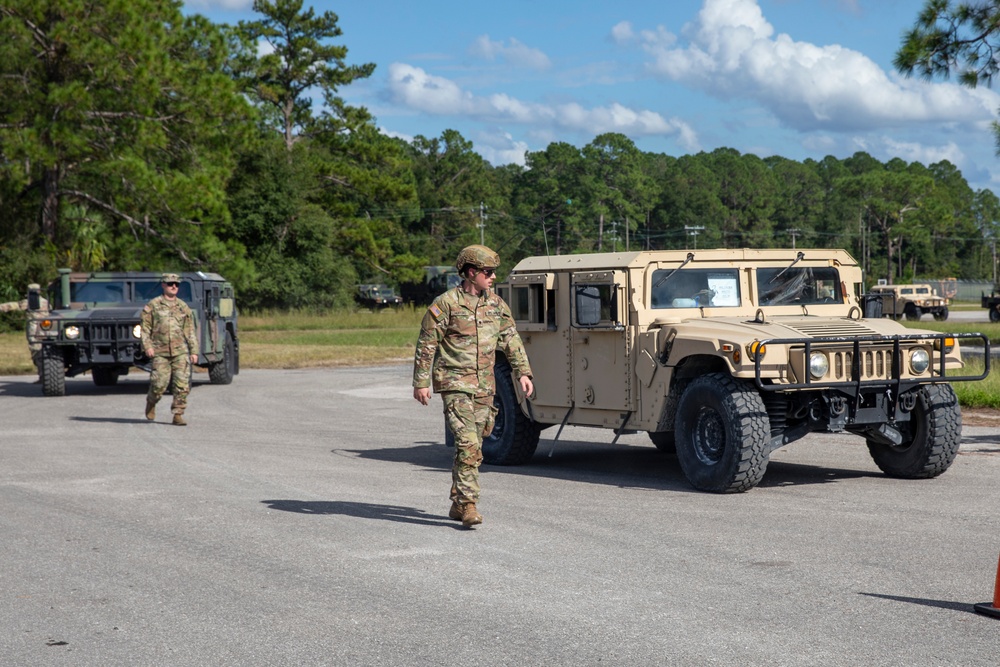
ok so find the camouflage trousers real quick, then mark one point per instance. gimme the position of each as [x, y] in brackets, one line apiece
[165, 369]
[469, 418]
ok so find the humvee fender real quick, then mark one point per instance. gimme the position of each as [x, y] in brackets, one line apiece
[723, 356]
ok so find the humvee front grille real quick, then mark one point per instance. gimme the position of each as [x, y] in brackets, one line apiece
[865, 361]
[106, 332]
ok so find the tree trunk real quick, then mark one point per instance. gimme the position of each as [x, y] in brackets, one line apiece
[50, 203]
[600, 233]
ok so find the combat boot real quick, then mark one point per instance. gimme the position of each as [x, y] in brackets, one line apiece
[150, 410]
[455, 512]
[470, 517]
[179, 420]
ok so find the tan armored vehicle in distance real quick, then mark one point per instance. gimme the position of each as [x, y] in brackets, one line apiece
[911, 301]
[724, 356]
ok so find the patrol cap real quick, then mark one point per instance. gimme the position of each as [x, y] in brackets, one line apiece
[170, 278]
[478, 256]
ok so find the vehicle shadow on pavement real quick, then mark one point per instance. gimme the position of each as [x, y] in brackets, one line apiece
[940, 604]
[621, 466]
[362, 511]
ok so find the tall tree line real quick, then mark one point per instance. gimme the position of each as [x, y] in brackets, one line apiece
[135, 138]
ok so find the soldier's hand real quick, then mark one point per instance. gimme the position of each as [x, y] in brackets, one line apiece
[194, 358]
[526, 386]
[149, 352]
[422, 394]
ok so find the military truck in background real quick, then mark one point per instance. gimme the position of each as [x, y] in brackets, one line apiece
[992, 302]
[723, 356]
[437, 280]
[377, 296]
[93, 325]
[911, 301]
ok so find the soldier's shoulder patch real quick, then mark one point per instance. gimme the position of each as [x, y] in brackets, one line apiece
[436, 311]
[147, 308]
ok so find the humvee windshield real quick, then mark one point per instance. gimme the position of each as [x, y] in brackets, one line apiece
[116, 291]
[793, 287]
[693, 288]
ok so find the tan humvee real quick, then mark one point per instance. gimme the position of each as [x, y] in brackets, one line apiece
[911, 301]
[725, 355]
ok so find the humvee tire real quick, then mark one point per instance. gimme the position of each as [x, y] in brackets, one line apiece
[222, 372]
[104, 377]
[995, 314]
[722, 433]
[912, 312]
[941, 315]
[935, 433]
[514, 438]
[53, 372]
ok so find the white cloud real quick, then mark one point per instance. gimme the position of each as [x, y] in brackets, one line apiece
[517, 53]
[416, 89]
[917, 152]
[500, 148]
[229, 5]
[731, 51]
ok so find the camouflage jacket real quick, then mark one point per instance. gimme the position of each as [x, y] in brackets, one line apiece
[168, 328]
[459, 337]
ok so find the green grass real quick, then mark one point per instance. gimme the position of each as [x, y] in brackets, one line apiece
[978, 394]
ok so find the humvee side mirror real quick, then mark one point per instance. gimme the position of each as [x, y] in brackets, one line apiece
[34, 300]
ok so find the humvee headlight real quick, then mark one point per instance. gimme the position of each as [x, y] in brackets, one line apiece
[919, 361]
[72, 332]
[819, 364]
[137, 331]
[754, 348]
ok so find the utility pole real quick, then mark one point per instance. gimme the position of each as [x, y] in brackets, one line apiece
[693, 231]
[794, 234]
[482, 223]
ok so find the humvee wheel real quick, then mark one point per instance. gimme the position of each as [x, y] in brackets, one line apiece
[221, 372]
[912, 312]
[995, 314]
[934, 434]
[722, 434]
[53, 372]
[664, 441]
[104, 377]
[514, 437]
[941, 315]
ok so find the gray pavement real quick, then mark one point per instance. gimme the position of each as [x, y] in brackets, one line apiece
[301, 520]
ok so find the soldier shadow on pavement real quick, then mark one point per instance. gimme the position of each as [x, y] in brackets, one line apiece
[939, 604]
[622, 466]
[115, 420]
[363, 511]
[25, 389]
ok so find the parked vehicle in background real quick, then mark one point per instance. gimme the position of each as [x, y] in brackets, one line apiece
[377, 296]
[437, 280]
[911, 301]
[993, 303]
[94, 326]
[724, 356]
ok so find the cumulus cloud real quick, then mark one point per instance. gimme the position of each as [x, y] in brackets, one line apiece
[416, 89]
[219, 4]
[731, 51]
[515, 53]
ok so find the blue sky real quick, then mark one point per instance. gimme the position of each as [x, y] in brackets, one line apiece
[795, 78]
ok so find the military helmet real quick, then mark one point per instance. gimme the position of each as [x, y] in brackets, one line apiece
[478, 256]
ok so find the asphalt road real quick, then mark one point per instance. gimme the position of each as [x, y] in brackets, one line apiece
[301, 520]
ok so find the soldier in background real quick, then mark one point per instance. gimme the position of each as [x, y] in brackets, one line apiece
[459, 336]
[37, 308]
[169, 340]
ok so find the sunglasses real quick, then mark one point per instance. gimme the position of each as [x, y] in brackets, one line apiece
[488, 272]
[171, 284]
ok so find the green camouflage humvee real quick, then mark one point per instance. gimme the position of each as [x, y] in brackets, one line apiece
[93, 325]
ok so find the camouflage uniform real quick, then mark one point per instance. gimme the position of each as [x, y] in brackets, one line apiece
[34, 317]
[168, 328]
[459, 337]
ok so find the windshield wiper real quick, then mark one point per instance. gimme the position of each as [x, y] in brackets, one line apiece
[690, 258]
[801, 256]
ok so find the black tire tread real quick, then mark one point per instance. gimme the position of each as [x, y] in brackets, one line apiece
[938, 404]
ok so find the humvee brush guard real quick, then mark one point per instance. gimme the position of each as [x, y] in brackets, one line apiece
[94, 326]
[725, 355]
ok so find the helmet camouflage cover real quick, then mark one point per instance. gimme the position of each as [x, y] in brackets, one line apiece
[478, 256]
